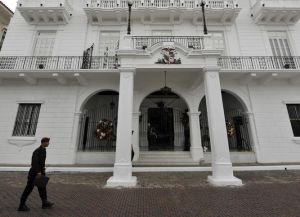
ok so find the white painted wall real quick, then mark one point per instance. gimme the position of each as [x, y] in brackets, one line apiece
[56, 119]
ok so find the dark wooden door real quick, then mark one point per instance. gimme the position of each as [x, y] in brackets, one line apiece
[160, 129]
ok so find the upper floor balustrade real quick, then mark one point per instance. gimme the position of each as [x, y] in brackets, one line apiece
[276, 11]
[157, 11]
[143, 42]
[259, 62]
[216, 4]
[45, 12]
[57, 62]
[236, 63]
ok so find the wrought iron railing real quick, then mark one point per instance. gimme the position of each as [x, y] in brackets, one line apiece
[259, 62]
[111, 62]
[216, 4]
[143, 42]
[57, 62]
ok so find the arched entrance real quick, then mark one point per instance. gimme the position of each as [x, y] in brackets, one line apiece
[164, 123]
[98, 123]
[237, 124]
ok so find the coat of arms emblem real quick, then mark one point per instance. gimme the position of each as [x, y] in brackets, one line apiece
[168, 51]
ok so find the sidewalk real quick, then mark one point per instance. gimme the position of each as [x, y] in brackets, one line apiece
[173, 194]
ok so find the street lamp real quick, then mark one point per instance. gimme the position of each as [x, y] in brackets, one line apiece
[203, 14]
[130, 3]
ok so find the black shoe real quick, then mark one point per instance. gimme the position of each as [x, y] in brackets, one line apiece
[47, 205]
[23, 208]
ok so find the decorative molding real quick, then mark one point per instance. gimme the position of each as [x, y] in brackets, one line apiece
[22, 141]
[194, 113]
[31, 101]
[168, 51]
[296, 140]
[291, 102]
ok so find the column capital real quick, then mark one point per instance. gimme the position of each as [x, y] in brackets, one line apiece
[211, 69]
[249, 113]
[127, 69]
[136, 114]
[194, 113]
[77, 113]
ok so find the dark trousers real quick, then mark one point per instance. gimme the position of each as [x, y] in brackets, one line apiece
[28, 189]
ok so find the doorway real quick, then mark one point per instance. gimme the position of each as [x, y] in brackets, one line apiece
[160, 129]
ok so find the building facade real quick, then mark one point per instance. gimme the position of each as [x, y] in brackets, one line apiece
[5, 16]
[76, 71]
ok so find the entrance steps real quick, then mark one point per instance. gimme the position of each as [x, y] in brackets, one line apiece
[165, 158]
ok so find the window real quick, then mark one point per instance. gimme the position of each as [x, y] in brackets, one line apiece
[279, 44]
[281, 50]
[27, 119]
[2, 37]
[44, 44]
[218, 40]
[294, 114]
[109, 43]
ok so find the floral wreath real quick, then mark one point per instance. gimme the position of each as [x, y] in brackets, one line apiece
[230, 128]
[104, 129]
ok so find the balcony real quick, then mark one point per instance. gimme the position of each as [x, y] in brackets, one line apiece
[45, 12]
[259, 63]
[146, 42]
[31, 63]
[110, 12]
[276, 11]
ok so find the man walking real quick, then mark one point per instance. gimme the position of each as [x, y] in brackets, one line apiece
[37, 169]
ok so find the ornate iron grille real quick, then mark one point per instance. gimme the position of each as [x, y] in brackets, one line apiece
[237, 131]
[88, 125]
[259, 62]
[181, 136]
[56, 62]
[143, 42]
[26, 120]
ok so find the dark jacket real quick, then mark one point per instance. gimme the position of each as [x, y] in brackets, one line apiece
[38, 161]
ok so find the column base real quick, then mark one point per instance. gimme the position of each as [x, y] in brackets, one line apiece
[233, 181]
[197, 153]
[122, 176]
[113, 182]
[223, 175]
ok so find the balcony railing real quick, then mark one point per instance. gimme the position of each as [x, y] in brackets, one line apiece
[110, 62]
[259, 63]
[57, 62]
[109, 4]
[143, 42]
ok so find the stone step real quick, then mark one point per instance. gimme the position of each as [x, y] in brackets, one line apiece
[163, 158]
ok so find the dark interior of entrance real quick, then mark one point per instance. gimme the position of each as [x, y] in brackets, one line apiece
[160, 129]
[236, 121]
[164, 123]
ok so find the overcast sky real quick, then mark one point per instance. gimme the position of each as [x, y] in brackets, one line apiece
[10, 3]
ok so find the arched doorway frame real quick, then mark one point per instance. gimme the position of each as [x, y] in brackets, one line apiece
[245, 104]
[83, 96]
[137, 105]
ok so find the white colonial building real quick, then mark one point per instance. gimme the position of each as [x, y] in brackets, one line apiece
[70, 70]
[5, 16]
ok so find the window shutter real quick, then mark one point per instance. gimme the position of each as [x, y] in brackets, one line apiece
[44, 44]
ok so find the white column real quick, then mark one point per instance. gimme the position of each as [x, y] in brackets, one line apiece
[195, 136]
[136, 134]
[222, 172]
[75, 135]
[122, 175]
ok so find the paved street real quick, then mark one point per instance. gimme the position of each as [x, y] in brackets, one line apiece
[180, 194]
